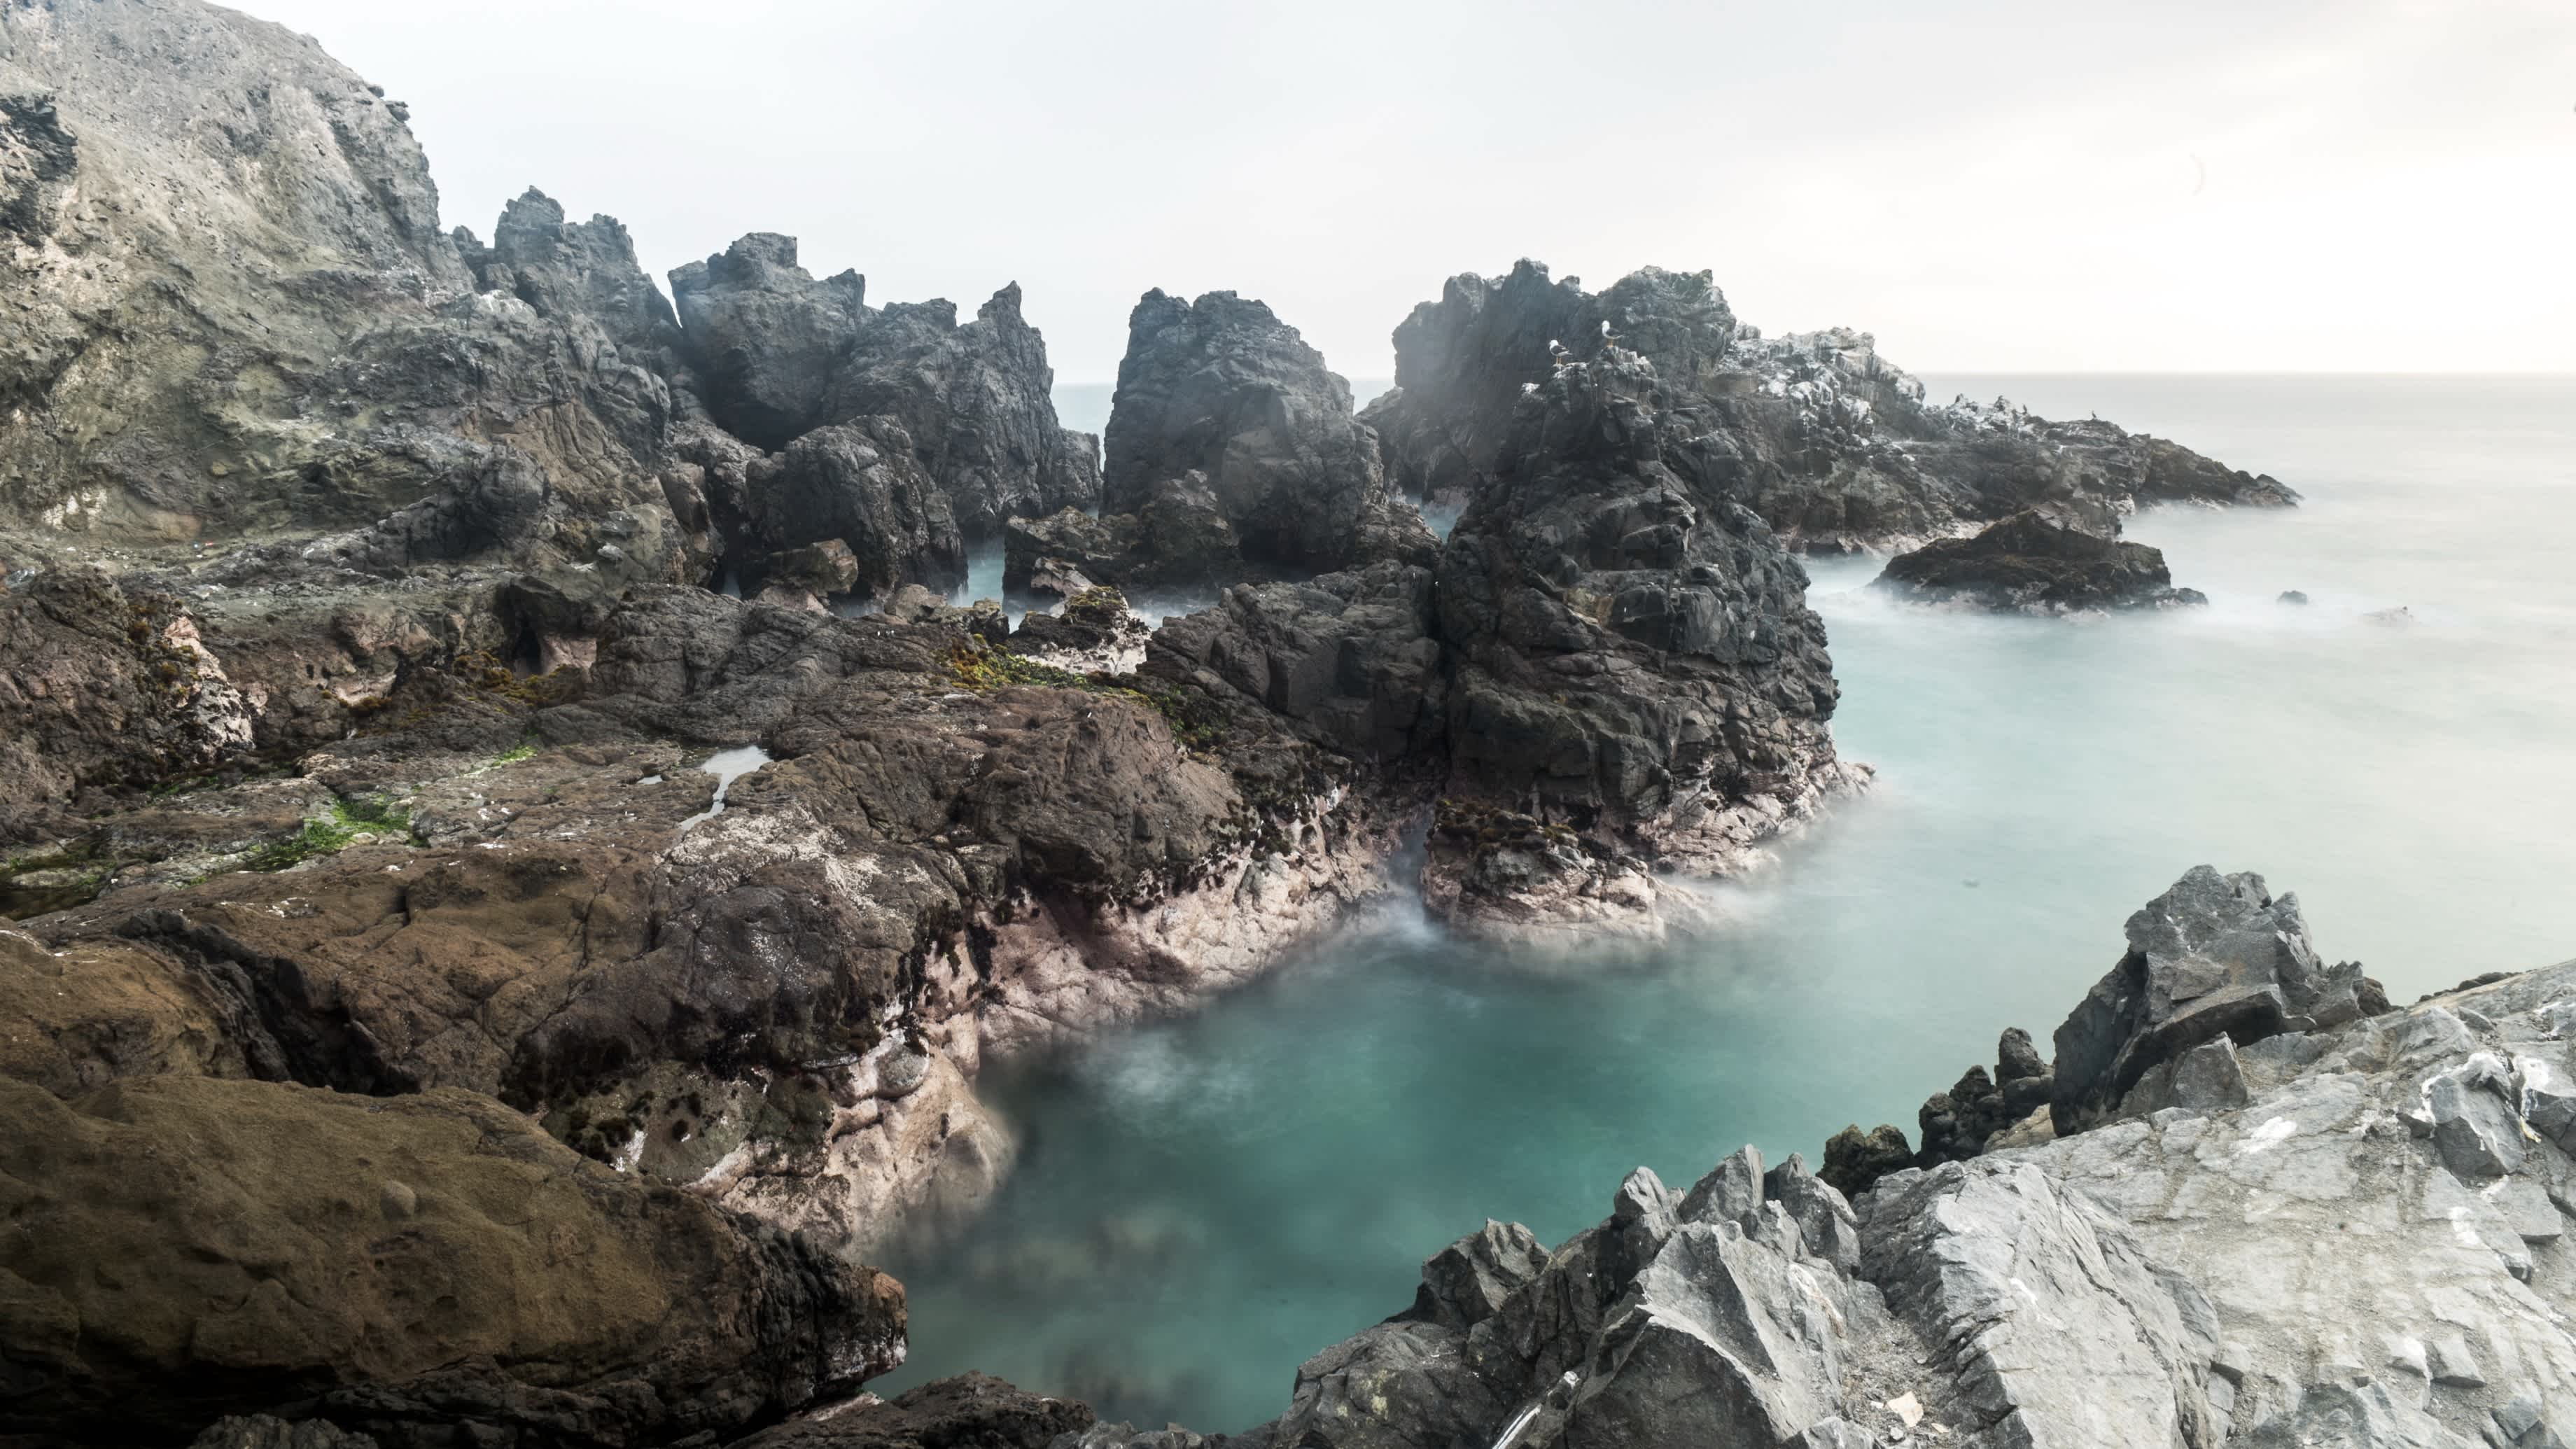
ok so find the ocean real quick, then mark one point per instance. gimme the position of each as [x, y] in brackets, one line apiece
[1203, 1203]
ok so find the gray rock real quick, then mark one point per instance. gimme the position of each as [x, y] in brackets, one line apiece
[1716, 1344]
[2474, 1123]
[2035, 564]
[1222, 388]
[2452, 1363]
[261, 1431]
[1634, 655]
[1832, 444]
[1467, 1282]
[2364, 1416]
[2063, 1323]
[1730, 1191]
[1826, 1223]
[2215, 955]
[778, 354]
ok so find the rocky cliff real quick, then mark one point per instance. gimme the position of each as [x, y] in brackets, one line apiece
[1835, 447]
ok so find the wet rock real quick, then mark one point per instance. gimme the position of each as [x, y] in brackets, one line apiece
[2029, 563]
[189, 1255]
[2215, 955]
[1221, 387]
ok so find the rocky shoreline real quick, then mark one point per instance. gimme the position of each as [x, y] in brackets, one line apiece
[382, 607]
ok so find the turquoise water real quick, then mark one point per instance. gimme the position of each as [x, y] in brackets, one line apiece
[1203, 1203]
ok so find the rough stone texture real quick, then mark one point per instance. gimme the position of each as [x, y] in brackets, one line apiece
[2031, 564]
[970, 1411]
[2060, 1328]
[2213, 955]
[856, 484]
[1829, 442]
[1348, 659]
[190, 1247]
[1634, 655]
[778, 354]
[262, 1431]
[1223, 388]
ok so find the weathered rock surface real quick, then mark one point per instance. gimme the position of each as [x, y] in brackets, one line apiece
[1829, 442]
[1634, 655]
[2030, 563]
[188, 1247]
[777, 354]
[2214, 955]
[955, 1413]
[1222, 388]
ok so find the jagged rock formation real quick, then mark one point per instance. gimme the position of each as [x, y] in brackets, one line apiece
[778, 354]
[1634, 653]
[2214, 963]
[2349, 1231]
[2032, 564]
[1222, 388]
[1830, 443]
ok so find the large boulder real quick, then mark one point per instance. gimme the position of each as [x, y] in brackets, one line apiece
[2215, 954]
[1222, 387]
[2028, 562]
[778, 354]
[410, 1269]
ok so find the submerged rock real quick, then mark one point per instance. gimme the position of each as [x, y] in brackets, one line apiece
[2028, 562]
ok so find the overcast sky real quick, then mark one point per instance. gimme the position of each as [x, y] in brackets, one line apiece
[1999, 185]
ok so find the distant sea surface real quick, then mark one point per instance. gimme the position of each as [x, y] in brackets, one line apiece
[1202, 1204]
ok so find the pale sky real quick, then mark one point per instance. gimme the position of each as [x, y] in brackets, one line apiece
[2000, 185]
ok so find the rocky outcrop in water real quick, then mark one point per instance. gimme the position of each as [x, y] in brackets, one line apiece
[1223, 389]
[1832, 445]
[1635, 658]
[2031, 564]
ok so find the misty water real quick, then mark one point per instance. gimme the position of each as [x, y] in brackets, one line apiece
[1203, 1203]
